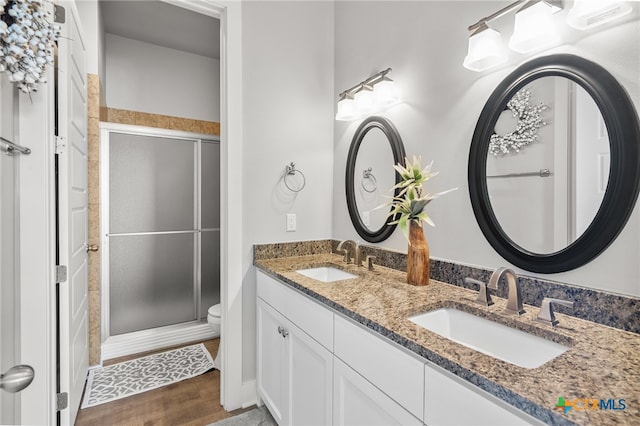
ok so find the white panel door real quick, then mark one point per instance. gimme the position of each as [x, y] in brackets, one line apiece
[8, 288]
[73, 207]
[272, 356]
[310, 379]
[356, 402]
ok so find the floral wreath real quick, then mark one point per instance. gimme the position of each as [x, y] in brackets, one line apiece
[27, 36]
[526, 132]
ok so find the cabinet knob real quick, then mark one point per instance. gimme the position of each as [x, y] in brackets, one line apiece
[285, 333]
[92, 247]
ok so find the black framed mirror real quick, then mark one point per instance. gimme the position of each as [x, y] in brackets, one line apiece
[375, 148]
[584, 235]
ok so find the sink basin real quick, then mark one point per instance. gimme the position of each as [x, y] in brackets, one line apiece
[326, 274]
[497, 340]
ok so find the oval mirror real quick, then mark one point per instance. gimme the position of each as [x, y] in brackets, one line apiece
[375, 148]
[554, 165]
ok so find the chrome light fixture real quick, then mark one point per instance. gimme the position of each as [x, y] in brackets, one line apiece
[587, 14]
[346, 107]
[371, 96]
[534, 28]
[485, 49]
[364, 99]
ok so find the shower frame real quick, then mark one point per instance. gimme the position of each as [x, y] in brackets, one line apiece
[168, 335]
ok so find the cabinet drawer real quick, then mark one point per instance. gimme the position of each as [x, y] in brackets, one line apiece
[314, 319]
[271, 291]
[443, 390]
[393, 371]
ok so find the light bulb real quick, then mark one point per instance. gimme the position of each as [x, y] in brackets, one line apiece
[364, 100]
[385, 93]
[534, 28]
[485, 49]
[591, 13]
[346, 108]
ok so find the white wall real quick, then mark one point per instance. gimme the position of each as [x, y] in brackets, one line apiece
[93, 26]
[425, 43]
[288, 116]
[149, 78]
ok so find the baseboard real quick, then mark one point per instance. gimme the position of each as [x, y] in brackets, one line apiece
[249, 394]
[157, 338]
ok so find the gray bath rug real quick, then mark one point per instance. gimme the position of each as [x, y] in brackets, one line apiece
[259, 416]
[139, 375]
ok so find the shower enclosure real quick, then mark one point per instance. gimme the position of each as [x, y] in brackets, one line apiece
[160, 235]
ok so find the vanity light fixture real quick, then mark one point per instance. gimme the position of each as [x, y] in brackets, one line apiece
[485, 49]
[364, 99]
[534, 28]
[587, 14]
[346, 107]
[371, 96]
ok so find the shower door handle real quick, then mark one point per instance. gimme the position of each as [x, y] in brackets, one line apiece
[92, 247]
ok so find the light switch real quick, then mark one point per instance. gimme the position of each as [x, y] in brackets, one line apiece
[291, 222]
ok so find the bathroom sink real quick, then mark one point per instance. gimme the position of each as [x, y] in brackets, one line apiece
[497, 340]
[326, 274]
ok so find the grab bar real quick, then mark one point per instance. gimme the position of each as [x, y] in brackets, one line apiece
[11, 147]
[540, 173]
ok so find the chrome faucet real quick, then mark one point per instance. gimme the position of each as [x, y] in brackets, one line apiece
[357, 258]
[514, 300]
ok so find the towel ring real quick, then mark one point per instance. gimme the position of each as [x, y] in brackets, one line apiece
[367, 176]
[291, 170]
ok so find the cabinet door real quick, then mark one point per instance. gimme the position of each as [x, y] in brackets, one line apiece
[451, 401]
[272, 374]
[358, 402]
[310, 379]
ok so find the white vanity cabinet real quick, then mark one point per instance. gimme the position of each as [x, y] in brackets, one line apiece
[319, 368]
[295, 371]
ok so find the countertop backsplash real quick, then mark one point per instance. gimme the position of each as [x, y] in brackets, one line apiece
[622, 312]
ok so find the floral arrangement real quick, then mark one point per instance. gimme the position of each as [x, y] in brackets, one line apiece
[27, 36]
[411, 201]
[526, 132]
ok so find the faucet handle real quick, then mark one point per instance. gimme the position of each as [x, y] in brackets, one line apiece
[484, 298]
[546, 314]
[369, 261]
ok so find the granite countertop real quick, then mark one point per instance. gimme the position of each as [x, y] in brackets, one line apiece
[601, 363]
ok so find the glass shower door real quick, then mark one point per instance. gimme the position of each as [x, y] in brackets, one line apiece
[210, 226]
[153, 232]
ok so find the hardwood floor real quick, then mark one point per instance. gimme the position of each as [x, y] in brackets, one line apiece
[194, 402]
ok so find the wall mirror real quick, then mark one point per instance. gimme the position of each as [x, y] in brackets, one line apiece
[554, 165]
[375, 148]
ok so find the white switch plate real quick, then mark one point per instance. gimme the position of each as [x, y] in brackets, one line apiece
[291, 222]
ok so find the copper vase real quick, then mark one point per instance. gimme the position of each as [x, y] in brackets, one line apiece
[417, 256]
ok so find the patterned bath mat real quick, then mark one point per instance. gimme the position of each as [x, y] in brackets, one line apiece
[139, 375]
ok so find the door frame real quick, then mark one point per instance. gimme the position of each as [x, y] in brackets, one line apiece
[37, 240]
[234, 393]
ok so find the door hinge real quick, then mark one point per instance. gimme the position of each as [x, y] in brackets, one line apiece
[59, 14]
[60, 145]
[62, 401]
[61, 273]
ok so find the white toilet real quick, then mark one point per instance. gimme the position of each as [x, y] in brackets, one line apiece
[213, 318]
